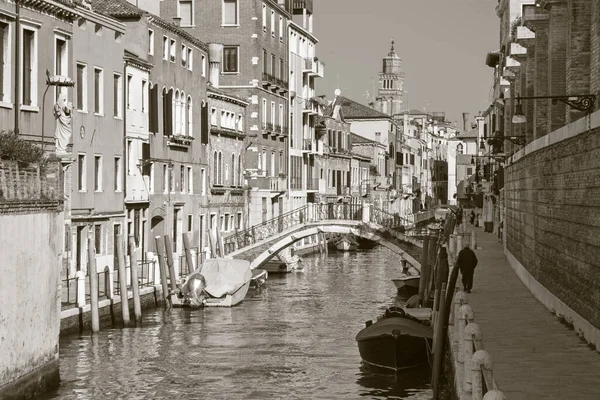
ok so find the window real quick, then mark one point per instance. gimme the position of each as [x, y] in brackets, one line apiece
[130, 158]
[5, 62]
[273, 65]
[230, 59]
[190, 222]
[173, 51]
[215, 168]
[281, 164]
[144, 95]
[272, 23]
[190, 56]
[186, 12]
[203, 182]
[240, 175]
[281, 117]
[117, 95]
[273, 112]
[61, 62]
[183, 55]
[233, 180]
[230, 12]
[98, 238]
[264, 113]
[97, 173]
[190, 180]
[226, 223]
[81, 87]
[281, 29]
[165, 48]
[150, 42]
[220, 168]
[272, 163]
[81, 172]
[129, 91]
[190, 112]
[281, 69]
[98, 91]
[265, 62]
[182, 178]
[240, 123]
[203, 65]
[264, 17]
[238, 224]
[213, 116]
[29, 68]
[172, 178]
[165, 179]
[117, 178]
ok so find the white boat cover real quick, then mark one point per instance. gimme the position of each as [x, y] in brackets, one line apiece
[225, 276]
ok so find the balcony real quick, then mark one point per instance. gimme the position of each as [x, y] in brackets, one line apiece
[310, 107]
[299, 6]
[268, 127]
[271, 82]
[274, 184]
[343, 191]
[182, 141]
[227, 132]
[313, 67]
[307, 145]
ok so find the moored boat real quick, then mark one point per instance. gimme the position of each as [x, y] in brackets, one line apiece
[217, 283]
[407, 282]
[395, 342]
[346, 244]
[259, 277]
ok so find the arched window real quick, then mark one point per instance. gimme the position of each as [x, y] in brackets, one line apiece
[459, 148]
[226, 174]
[177, 113]
[189, 116]
[215, 169]
[220, 168]
[233, 170]
[240, 175]
[182, 112]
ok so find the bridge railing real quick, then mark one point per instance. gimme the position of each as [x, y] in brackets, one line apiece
[342, 211]
[387, 219]
[264, 230]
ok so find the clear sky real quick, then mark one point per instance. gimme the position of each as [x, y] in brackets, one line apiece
[442, 43]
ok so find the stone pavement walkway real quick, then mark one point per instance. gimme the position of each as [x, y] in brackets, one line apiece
[534, 355]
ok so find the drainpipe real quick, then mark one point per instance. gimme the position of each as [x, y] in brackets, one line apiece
[18, 65]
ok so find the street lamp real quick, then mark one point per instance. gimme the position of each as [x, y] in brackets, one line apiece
[580, 102]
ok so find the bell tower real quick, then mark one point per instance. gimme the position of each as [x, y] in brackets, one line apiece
[391, 82]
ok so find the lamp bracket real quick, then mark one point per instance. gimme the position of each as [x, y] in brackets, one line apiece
[580, 102]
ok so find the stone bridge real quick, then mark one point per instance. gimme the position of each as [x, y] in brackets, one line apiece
[262, 242]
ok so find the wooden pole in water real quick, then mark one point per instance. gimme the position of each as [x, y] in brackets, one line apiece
[188, 253]
[424, 269]
[220, 245]
[438, 352]
[135, 288]
[120, 245]
[93, 285]
[170, 263]
[160, 249]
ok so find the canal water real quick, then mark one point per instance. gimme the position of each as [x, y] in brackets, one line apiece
[291, 339]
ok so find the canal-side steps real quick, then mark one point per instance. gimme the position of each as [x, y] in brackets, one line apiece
[502, 327]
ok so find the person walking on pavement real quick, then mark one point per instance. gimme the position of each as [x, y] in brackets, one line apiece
[472, 218]
[467, 261]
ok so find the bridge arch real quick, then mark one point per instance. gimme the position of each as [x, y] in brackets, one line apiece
[344, 229]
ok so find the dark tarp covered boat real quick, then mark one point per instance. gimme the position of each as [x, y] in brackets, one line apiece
[396, 341]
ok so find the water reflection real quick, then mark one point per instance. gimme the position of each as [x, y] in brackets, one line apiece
[292, 339]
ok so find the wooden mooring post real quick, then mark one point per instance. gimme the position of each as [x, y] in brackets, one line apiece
[170, 263]
[160, 249]
[120, 247]
[188, 254]
[424, 270]
[93, 272]
[135, 285]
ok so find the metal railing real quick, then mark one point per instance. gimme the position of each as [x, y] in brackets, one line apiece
[387, 219]
[69, 292]
[341, 211]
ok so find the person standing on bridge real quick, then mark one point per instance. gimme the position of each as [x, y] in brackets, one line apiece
[467, 261]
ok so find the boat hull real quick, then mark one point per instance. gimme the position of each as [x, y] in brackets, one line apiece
[277, 267]
[230, 299]
[259, 277]
[407, 282]
[394, 354]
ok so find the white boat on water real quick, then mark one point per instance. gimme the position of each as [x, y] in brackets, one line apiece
[217, 283]
[287, 260]
[407, 281]
[346, 243]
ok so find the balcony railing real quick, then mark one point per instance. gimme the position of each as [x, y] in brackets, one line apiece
[268, 126]
[343, 191]
[307, 144]
[273, 81]
[313, 66]
[277, 128]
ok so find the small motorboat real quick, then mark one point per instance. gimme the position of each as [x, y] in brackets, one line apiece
[395, 342]
[346, 243]
[217, 283]
[259, 277]
[407, 282]
[287, 260]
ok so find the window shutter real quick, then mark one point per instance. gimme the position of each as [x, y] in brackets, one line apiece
[204, 125]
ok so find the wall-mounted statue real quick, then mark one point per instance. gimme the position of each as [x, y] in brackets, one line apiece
[63, 115]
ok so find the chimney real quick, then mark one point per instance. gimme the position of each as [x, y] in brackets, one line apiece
[465, 121]
[215, 54]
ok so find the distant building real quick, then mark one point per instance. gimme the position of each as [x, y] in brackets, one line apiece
[390, 92]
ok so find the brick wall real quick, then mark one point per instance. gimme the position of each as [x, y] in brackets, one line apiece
[553, 220]
[595, 50]
[578, 52]
[557, 62]
[27, 189]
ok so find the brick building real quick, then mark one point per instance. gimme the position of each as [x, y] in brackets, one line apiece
[547, 152]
